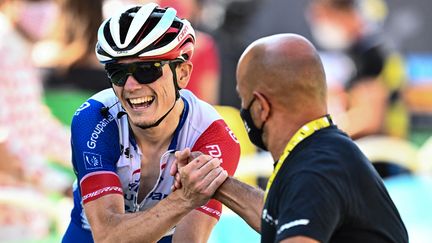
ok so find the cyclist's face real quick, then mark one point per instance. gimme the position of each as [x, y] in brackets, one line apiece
[146, 103]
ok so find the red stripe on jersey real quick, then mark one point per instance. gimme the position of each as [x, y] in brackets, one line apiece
[136, 171]
[98, 184]
[212, 208]
[219, 141]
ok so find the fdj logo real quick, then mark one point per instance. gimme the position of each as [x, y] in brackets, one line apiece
[92, 161]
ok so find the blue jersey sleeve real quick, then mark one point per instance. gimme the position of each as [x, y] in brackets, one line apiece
[95, 140]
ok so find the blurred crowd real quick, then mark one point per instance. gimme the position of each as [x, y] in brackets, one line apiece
[378, 73]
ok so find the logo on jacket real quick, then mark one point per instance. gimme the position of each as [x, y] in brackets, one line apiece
[92, 161]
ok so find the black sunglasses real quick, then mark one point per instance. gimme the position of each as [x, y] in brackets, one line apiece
[143, 72]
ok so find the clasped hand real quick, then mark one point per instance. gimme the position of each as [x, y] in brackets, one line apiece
[197, 175]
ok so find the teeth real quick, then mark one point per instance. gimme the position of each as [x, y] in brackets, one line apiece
[141, 100]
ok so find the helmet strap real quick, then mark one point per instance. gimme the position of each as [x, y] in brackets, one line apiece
[177, 91]
[177, 88]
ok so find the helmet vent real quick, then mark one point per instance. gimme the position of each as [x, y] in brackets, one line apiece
[108, 36]
[125, 22]
[149, 26]
[169, 35]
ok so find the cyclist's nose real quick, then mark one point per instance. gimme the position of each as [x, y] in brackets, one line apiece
[131, 83]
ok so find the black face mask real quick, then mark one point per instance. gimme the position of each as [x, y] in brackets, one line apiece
[254, 133]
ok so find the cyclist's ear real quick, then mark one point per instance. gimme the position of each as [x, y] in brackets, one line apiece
[184, 71]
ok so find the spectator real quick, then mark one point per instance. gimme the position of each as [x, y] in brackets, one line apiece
[231, 42]
[31, 135]
[67, 57]
[377, 78]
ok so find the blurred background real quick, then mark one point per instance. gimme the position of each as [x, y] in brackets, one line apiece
[376, 53]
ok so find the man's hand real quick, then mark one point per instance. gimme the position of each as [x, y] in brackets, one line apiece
[197, 175]
[182, 158]
[201, 178]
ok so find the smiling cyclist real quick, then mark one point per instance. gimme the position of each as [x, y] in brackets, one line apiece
[124, 138]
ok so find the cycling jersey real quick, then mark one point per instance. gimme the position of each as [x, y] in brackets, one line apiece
[107, 160]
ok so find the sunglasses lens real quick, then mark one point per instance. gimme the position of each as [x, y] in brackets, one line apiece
[119, 78]
[147, 73]
[116, 73]
[143, 72]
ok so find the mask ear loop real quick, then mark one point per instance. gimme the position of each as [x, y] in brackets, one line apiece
[256, 94]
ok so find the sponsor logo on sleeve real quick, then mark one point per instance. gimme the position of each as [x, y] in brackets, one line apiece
[92, 161]
[211, 211]
[102, 191]
[99, 128]
[214, 151]
[82, 107]
[232, 135]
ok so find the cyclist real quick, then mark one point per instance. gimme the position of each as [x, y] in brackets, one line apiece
[124, 138]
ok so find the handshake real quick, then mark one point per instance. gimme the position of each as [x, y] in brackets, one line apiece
[197, 176]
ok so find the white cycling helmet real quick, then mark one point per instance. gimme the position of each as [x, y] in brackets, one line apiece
[147, 32]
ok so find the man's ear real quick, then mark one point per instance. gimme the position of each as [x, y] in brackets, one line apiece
[184, 71]
[264, 106]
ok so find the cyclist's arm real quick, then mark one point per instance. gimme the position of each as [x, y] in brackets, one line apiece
[110, 223]
[194, 227]
[217, 141]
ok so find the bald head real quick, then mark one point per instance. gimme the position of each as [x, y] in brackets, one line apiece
[286, 69]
